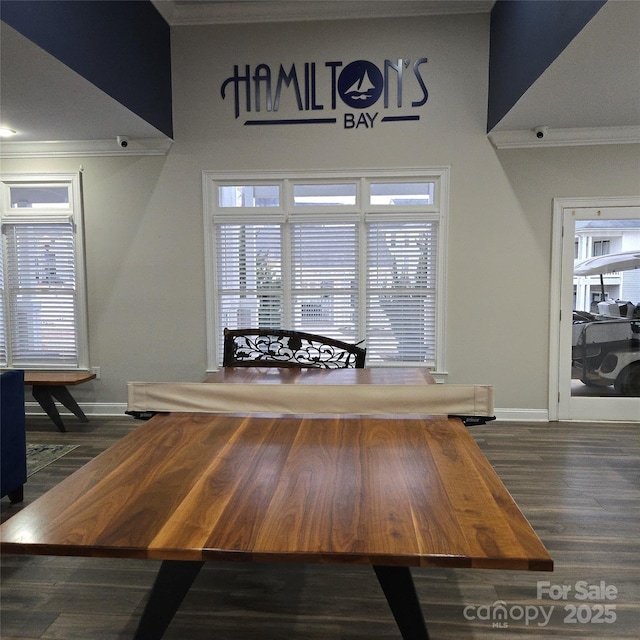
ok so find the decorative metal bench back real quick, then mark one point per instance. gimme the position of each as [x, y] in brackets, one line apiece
[286, 348]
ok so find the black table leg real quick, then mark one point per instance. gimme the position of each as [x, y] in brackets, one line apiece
[45, 394]
[176, 577]
[397, 585]
[62, 395]
[171, 586]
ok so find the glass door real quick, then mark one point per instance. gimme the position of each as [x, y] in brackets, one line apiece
[600, 314]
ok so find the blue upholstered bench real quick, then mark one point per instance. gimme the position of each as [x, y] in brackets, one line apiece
[13, 447]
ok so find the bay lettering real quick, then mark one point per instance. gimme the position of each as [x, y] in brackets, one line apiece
[364, 120]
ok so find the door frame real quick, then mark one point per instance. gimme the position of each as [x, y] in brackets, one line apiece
[559, 407]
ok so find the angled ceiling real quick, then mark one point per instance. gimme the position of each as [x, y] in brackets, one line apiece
[45, 100]
[588, 86]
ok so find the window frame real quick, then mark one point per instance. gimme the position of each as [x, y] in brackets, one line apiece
[73, 213]
[362, 211]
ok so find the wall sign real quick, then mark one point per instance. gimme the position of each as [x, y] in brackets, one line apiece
[366, 88]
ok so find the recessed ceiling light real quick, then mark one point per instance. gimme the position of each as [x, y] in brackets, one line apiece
[5, 132]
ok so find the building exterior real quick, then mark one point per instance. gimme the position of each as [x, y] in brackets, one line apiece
[597, 238]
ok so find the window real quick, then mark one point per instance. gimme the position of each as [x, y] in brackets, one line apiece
[352, 257]
[601, 247]
[42, 293]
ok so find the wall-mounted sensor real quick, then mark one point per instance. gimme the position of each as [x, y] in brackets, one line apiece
[123, 141]
[541, 132]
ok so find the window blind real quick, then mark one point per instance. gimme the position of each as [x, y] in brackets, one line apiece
[249, 287]
[324, 279]
[401, 294]
[40, 290]
[321, 261]
[3, 334]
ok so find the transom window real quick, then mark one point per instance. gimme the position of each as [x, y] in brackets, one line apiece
[354, 257]
[42, 292]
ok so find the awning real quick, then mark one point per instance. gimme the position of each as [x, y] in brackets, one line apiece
[608, 263]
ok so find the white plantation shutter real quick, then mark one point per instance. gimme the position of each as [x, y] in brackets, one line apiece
[352, 258]
[41, 288]
[401, 291]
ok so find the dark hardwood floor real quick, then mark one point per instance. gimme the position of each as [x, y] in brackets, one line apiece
[578, 484]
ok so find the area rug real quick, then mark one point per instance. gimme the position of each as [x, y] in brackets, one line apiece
[41, 455]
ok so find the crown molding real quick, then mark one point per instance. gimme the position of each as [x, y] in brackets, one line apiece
[183, 13]
[527, 138]
[85, 148]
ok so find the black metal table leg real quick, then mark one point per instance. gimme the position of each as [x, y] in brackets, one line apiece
[45, 394]
[397, 585]
[42, 394]
[171, 586]
[176, 577]
[62, 395]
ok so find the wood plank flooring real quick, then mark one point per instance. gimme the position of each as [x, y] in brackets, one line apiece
[578, 484]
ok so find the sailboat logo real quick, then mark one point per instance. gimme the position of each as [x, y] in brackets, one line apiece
[361, 88]
[360, 84]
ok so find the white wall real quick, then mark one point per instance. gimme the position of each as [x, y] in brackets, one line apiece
[144, 215]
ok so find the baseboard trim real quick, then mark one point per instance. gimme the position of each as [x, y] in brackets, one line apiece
[109, 409]
[522, 415]
[106, 409]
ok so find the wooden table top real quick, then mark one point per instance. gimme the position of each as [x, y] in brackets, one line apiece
[337, 489]
[292, 375]
[57, 378]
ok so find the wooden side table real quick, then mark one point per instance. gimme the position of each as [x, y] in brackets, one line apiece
[50, 385]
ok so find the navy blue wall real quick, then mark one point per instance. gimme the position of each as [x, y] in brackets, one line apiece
[526, 37]
[122, 47]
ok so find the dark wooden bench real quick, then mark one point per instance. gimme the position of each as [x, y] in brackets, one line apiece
[288, 348]
[50, 385]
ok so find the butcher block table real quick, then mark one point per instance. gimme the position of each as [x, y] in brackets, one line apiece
[392, 491]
